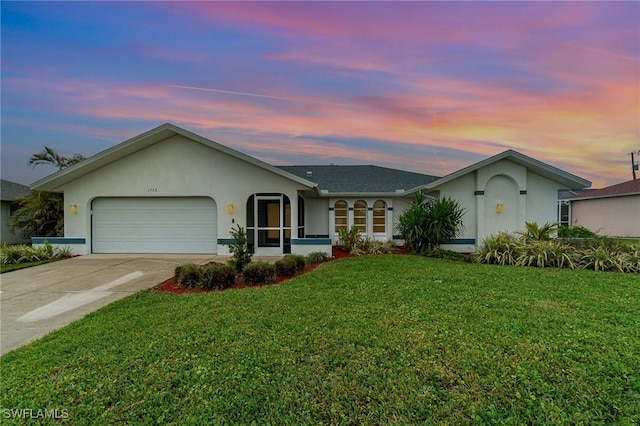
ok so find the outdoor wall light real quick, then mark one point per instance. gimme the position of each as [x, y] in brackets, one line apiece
[73, 208]
[500, 208]
[230, 208]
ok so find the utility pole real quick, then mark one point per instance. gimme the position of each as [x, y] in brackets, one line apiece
[634, 165]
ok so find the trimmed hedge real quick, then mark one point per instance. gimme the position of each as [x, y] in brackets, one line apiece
[217, 276]
[259, 273]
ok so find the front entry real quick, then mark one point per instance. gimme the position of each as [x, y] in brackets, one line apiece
[269, 224]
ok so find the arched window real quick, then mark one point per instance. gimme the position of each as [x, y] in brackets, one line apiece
[340, 209]
[360, 216]
[379, 217]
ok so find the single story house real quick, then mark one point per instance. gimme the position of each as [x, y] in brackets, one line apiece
[9, 191]
[172, 191]
[612, 211]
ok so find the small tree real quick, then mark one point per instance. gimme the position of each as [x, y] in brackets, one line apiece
[428, 223]
[239, 248]
[535, 232]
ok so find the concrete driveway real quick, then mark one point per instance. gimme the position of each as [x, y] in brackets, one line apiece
[37, 300]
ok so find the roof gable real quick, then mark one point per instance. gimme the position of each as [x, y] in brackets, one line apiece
[631, 187]
[543, 169]
[360, 179]
[9, 191]
[55, 181]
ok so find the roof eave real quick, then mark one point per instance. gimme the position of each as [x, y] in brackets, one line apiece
[56, 180]
[595, 197]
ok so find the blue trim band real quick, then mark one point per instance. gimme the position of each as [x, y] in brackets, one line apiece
[478, 192]
[463, 241]
[350, 209]
[390, 209]
[316, 236]
[58, 240]
[523, 192]
[331, 209]
[397, 237]
[311, 242]
[370, 209]
[226, 240]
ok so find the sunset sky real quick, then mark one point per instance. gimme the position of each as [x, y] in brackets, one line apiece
[429, 87]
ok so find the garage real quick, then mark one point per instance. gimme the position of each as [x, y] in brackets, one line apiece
[154, 225]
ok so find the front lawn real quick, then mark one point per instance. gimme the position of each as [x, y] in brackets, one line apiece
[366, 340]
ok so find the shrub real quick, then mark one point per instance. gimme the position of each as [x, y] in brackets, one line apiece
[546, 253]
[239, 248]
[428, 223]
[575, 232]
[21, 253]
[189, 275]
[259, 273]
[535, 232]
[286, 267]
[601, 258]
[378, 247]
[217, 276]
[301, 262]
[501, 249]
[351, 240]
[317, 257]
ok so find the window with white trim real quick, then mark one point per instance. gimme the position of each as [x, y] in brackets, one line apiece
[379, 217]
[360, 215]
[341, 210]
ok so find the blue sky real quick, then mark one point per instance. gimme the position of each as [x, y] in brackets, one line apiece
[423, 86]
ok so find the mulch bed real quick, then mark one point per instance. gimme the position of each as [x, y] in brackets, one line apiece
[171, 286]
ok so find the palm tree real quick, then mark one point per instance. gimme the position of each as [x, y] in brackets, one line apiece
[50, 156]
[41, 213]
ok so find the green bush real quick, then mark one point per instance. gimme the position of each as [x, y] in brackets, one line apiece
[189, 275]
[575, 232]
[286, 267]
[217, 276]
[535, 232]
[239, 248]
[546, 253]
[427, 223]
[12, 254]
[301, 262]
[259, 273]
[317, 257]
[501, 249]
[372, 246]
[351, 240]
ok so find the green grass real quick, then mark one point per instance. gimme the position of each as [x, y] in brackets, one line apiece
[16, 266]
[367, 340]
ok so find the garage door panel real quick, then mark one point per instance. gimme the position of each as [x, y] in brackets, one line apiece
[154, 225]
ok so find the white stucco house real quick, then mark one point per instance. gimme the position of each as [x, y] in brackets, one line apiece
[172, 191]
[9, 191]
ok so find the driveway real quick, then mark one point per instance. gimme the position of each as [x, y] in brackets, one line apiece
[37, 300]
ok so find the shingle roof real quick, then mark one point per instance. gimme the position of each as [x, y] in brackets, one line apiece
[359, 179]
[631, 187]
[10, 190]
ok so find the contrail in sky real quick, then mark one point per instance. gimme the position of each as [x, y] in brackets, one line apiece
[256, 95]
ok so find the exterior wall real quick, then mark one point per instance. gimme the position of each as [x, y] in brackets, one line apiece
[614, 217]
[316, 211]
[176, 167]
[542, 199]
[501, 196]
[462, 189]
[8, 237]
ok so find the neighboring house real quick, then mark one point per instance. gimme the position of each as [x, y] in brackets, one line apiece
[170, 190]
[9, 191]
[612, 211]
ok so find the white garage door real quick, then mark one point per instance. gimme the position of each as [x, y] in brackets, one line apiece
[154, 225]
